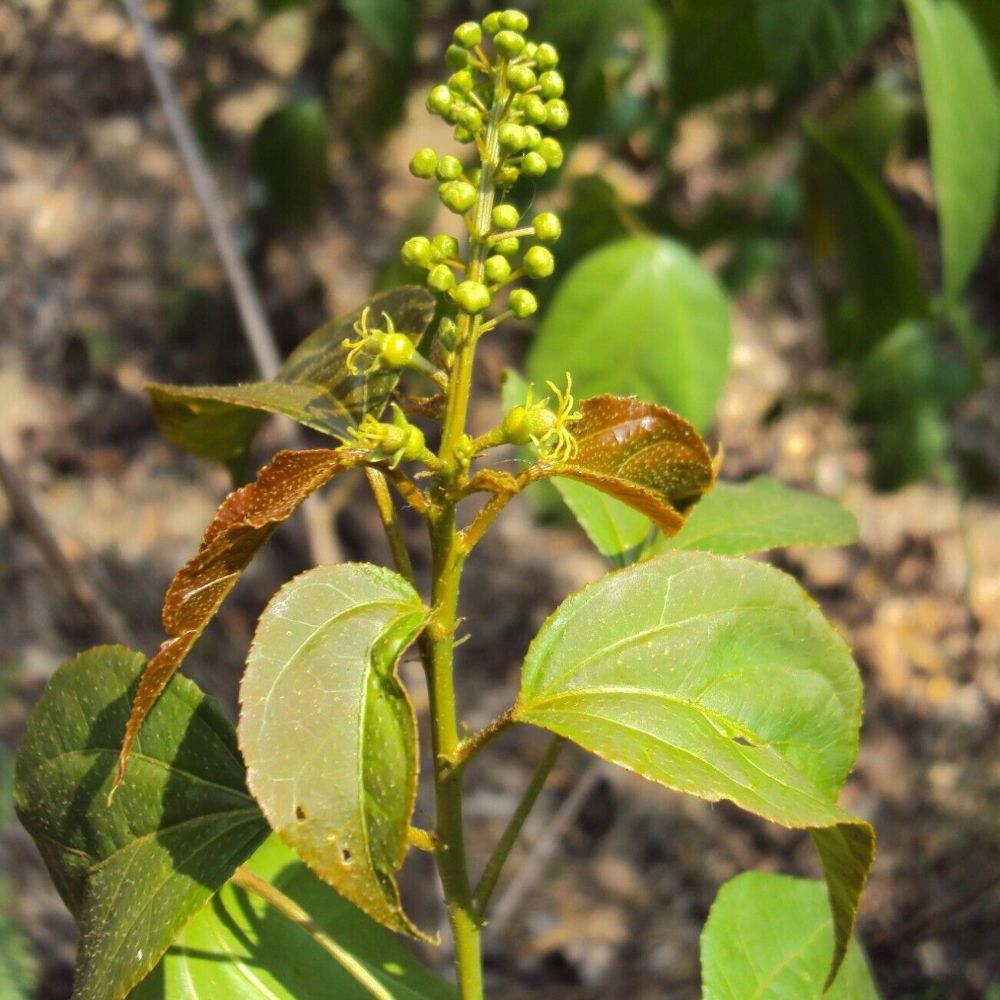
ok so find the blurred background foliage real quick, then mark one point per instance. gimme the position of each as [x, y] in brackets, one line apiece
[822, 116]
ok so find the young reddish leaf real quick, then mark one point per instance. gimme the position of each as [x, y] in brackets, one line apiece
[241, 526]
[642, 454]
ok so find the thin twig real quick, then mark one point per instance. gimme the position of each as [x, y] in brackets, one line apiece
[257, 331]
[528, 875]
[288, 908]
[390, 522]
[103, 618]
[491, 873]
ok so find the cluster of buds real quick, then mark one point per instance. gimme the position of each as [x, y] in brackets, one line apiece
[501, 104]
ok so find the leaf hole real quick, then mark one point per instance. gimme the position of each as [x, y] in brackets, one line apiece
[346, 856]
[300, 813]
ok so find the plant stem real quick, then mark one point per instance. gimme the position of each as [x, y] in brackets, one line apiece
[390, 521]
[491, 873]
[288, 908]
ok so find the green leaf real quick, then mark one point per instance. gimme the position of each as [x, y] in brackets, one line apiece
[962, 93]
[771, 936]
[18, 968]
[239, 947]
[739, 518]
[313, 387]
[135, 870]
[640, 316]
[805, 40]
[328, 731]
[852, 223]
[390, 24]
[290, 157]
[718, 677]
[616, 530]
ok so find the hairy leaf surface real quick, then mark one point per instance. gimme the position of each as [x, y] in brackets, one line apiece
[772, 936]
[717, 677]
[243, 523]
[640, 316]
[313, 387]
[132, 872]
[237, 946]
[962, 93]
[739, 518]
[328, 731]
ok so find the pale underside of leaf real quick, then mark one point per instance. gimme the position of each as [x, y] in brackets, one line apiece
[328, 732]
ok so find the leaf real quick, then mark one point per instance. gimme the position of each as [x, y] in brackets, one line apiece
[717, 677]
[851, 222]
[740, 518]
[641, 454]
[290, 157]
[771, 936]
[962, 93]
[18, 968]
[391, 25]
[243, 523]
[640, 316]
[238, 944]
[135, 870]
[328, 731]
[313, 387]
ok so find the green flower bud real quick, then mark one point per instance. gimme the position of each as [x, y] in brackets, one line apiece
[462, 134]
[508, 246]
[522, 78]
[492, 22]
[557, 114]
[534, 109]
[441, 278]
[445, 247]
[533, 135]
[548, 228]
[459, 196]
[534, 165]
[446, 333]
[512, 137]
[497, 269]
[522, 303]
[526, 422]
[529, 50]
[424, 163]
[417, 252]
[397, 350]
[456, 57]
[468, 35]
[539, 262]
[439, 100]
[551, 151]
[449, 168]
[552, 84]
[509, 43]
[471, 119]
[507, 175]
[475, 176]
[506, 217]
[546, 56]
[462, 82]
[472, 297]
[514, 20]
[454, 110]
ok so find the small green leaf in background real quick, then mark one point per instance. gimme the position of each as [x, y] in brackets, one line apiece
[313, 387]
[18, 968]
[740, 518]
[717, 677]
[770, 937]
[135, 870]
[390, 24]
[289, 155]
[852, 223]
[962, 93]
[639, 317]
[238, 947]
[328, 731]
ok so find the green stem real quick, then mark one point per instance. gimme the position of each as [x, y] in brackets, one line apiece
[288, 908]
[491, 873]
[390, 521]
